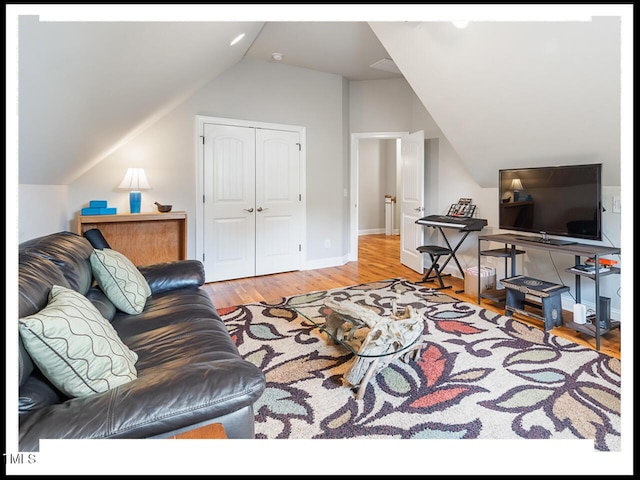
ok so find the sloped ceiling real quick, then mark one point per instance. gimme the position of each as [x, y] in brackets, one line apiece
[87, 87]
[517, 94]
[343, 48]
[505, 94]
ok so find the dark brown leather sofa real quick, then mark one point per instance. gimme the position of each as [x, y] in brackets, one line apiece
[190, 373]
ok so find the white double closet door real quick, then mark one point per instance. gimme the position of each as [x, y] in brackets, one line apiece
[252, 201]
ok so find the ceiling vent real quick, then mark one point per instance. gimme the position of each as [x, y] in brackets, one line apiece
[387, 65]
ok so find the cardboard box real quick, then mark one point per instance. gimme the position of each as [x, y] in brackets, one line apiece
[108, 211]
[487, 280]
[97, 204]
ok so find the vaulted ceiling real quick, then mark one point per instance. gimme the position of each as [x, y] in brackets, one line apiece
[86, 87]
[517, 94]
[503, 93]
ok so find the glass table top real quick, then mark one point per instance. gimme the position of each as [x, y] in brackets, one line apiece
[352, 333]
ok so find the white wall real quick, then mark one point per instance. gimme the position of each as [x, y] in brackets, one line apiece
[251, 90]
[41, 210]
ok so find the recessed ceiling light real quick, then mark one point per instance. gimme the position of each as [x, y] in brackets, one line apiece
[236, 40]
[277, 56]
[460, 24]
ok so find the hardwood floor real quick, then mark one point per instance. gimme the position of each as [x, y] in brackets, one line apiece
[378, 259]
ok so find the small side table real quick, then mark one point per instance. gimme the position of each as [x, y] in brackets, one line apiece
[550, 293]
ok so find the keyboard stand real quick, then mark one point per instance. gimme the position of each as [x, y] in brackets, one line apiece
[453, 251]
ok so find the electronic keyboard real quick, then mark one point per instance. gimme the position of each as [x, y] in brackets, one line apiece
[466, 224]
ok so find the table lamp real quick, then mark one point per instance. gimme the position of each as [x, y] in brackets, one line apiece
[516, 186]
[135, 180]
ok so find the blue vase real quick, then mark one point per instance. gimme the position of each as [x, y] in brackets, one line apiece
[135, 199]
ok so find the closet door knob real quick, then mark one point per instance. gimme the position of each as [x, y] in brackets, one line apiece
[250, 210]
[260, 209]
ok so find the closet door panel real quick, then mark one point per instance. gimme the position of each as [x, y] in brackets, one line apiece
[278, 201]
[229, 203]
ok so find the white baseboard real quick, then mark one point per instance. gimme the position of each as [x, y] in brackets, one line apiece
[325, 263]
[371, 231]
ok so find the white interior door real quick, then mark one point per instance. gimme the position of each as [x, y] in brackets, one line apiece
[412, 200]
[229, 202]
[278, 201]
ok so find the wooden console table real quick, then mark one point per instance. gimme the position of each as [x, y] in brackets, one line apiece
[578, 250]
[144, 238]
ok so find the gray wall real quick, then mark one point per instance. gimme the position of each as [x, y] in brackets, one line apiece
[447, 179]
[251, 90]
[376, 178]
[277, 93]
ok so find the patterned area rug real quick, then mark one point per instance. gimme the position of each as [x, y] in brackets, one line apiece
[480, 375]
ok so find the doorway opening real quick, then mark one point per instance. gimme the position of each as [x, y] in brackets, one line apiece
[356, 159]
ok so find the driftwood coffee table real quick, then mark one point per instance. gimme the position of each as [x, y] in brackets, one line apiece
[375, 340]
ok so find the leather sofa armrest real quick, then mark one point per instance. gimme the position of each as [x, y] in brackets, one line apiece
[166, 276]
[160, 401]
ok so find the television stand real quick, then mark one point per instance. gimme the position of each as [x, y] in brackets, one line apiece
[544, 240]
[576, 249]
[555, 241]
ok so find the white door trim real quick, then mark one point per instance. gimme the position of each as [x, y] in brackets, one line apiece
[201, 120]
[353, 196]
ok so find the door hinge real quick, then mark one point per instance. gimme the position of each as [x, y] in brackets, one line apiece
[299, 197]
[203, 199]
[299, 146]
[299, 247]
[202, 137]
[203, 257]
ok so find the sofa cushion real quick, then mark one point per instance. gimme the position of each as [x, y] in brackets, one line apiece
[120, 280]
[37, 393]
[75, 347]
[173, 275]
[69, 252]
[36, 275]
[164, 309]
[99, 300]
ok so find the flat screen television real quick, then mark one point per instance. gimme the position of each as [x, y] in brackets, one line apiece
[560, 200]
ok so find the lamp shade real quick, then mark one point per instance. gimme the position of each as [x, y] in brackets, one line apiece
[516, 184]
[135, 179]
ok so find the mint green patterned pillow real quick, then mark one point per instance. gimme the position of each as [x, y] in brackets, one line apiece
[75, 347]
[120, 280]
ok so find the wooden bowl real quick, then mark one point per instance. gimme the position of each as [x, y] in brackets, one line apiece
[164, 208]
